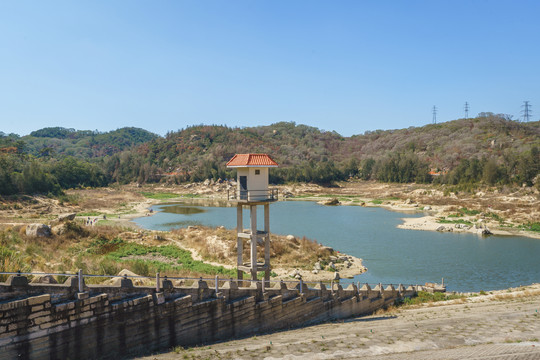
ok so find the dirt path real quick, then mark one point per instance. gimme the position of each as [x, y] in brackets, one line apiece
[501, 326]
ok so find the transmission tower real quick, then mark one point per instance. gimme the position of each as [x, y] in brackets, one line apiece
[466, 110]
[434, 114]
[526, 111]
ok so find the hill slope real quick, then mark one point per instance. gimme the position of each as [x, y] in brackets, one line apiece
[489, 149]
[84, 144]
[204, 150]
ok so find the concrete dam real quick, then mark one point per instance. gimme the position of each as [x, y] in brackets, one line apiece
[78, 321]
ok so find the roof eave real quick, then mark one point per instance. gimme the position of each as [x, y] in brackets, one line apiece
[252, 166]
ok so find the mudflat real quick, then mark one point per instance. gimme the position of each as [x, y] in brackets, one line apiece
[499, 325]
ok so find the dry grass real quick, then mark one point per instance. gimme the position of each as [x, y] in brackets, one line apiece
[518, 295]
[221, 246]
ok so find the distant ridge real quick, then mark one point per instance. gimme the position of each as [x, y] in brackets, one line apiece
[489, 148]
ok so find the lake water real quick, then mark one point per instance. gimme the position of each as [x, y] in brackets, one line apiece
[466, 261]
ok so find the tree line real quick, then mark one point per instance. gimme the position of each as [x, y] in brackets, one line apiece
[491, 150]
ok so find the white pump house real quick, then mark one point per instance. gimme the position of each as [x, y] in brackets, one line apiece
[252, 190]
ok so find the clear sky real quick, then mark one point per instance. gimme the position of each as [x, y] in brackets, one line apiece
[348, 66]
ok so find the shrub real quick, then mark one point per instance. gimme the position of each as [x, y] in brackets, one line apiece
[103, 245]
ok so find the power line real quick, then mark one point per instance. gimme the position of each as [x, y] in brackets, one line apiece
[434, 114]
[527, 112]
[466, 110]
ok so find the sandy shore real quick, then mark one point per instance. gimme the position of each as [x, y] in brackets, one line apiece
[501, 325]
[430, 223]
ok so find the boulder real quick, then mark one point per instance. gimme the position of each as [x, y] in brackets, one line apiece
[286, 194]
[327, 248]
[427, 207]
[441, 228]
[295, 273]
[290, 238]
[38, 230]
[58, 229]
[336, 276]
[332, 202]
[315, 271]
[408, 201]
[317, 266]
[44, 279]
[67, 217]
[332, 266]
[485, 231]
[117, 281]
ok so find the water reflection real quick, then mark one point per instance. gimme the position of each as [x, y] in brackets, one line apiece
[182, 209]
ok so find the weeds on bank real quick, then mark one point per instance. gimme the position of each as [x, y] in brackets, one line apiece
[518, 295]
[90, 213]
[159, 196]
[179, 259]
[426, 297]
[443, 220]
[532, 226]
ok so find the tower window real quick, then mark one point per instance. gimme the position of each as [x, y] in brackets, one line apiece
[257, 172]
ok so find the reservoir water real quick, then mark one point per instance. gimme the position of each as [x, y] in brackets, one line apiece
[466, 261]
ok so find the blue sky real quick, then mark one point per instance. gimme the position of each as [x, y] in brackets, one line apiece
[348, 66]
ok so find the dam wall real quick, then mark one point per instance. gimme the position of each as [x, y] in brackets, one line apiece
[58, 321]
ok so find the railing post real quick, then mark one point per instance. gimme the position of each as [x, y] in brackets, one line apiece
[263, 281]
[332, 286]
[217, 287]
[80, 278]
[157, 282]
[301, 286]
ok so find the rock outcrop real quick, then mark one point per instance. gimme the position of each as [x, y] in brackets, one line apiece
[38, 230]
[67, 217]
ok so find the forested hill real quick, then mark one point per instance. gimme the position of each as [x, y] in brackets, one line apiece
[487, 149]
[84, 144]
[442, 145]
[309, 154]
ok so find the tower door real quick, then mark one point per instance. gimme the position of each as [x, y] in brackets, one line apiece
[243, 188]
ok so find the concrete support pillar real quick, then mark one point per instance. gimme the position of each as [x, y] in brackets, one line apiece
[253, 216]
[267, 242]
[239, 241]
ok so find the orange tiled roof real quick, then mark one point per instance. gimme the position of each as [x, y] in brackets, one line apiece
[245, 160]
